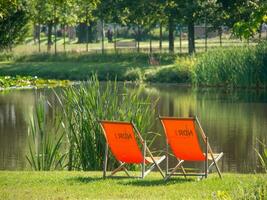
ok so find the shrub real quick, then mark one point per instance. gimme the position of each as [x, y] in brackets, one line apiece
[133, 74]
[6, 56]
[181, 72]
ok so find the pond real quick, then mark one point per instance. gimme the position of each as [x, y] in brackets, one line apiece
[232, 119]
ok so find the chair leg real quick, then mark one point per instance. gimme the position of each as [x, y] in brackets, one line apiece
[105, 161]
[126, 171]
[206, 163]
[154, 165]
[167, 158]
[160, 170]
[175, 168]
[216, 165]
[144, 161]
[183, 170]
[118, 169]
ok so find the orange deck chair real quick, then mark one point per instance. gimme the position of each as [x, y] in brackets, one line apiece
[120, 137]
[181, 136]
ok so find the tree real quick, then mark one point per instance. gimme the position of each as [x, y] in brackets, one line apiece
[86, 18]
[141, 15]
[14, 17]
[255, 14]
[173, 13]
[68, 16]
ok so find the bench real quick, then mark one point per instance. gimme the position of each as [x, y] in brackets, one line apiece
[126, 44]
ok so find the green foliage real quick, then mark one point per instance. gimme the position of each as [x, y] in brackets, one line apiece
[90, 102]
[233, 67]
[133, 74]
[13, 23]
[21, 82]
[262, 155]
[248, 26]
[181, 72]
[45, 138]
[6, 56]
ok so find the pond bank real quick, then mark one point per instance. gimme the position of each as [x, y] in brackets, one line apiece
[28, 82]
[90, 185]
[233, 67]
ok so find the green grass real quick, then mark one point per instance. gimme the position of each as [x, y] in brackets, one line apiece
[71, 46]
[235, 67]
[76, 66]
[90, 185]
[228, 67]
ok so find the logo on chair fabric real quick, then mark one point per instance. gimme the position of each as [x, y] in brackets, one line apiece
[184, 132]
[123, 135]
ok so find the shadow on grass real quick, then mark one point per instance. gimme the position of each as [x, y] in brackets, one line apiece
[84, 179]
[156, 182]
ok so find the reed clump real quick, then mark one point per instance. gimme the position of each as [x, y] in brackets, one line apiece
[90, 102]
[46, 138]
[233, 67]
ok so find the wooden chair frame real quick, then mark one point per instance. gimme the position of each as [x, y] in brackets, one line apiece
[208, 151]
[145, 151]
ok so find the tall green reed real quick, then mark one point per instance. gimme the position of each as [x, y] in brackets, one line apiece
[45, 139]
[262, 155]
[233, 67]
[91, 101]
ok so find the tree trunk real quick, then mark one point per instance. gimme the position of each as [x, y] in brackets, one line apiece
[191, 37]
[64, 37]
[115, 37]
[55, 38]
[138, 39]
[81, 32]
[220, 36]
[150, 43]
[206, 35]
[160, 37]
[49, 36]
[55, 27]
[180, 37]
[171, 35]
[103, 36]
[39, 38]
[87, 34]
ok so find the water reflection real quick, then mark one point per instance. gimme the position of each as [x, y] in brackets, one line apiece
[231, 119]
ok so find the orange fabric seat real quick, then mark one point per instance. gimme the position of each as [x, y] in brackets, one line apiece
[122, 141]
[182, 137]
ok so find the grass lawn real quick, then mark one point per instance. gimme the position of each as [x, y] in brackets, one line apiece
[75, 66]
[29, 47]
[90, 185]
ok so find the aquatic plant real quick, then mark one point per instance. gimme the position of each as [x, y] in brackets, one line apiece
[262, 155]
[29, 81]
[233, 67]
[91, 101]
[45, 138]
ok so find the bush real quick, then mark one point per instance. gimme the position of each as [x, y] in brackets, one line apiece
[6, 56]
[133, 74]
[181, 72]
